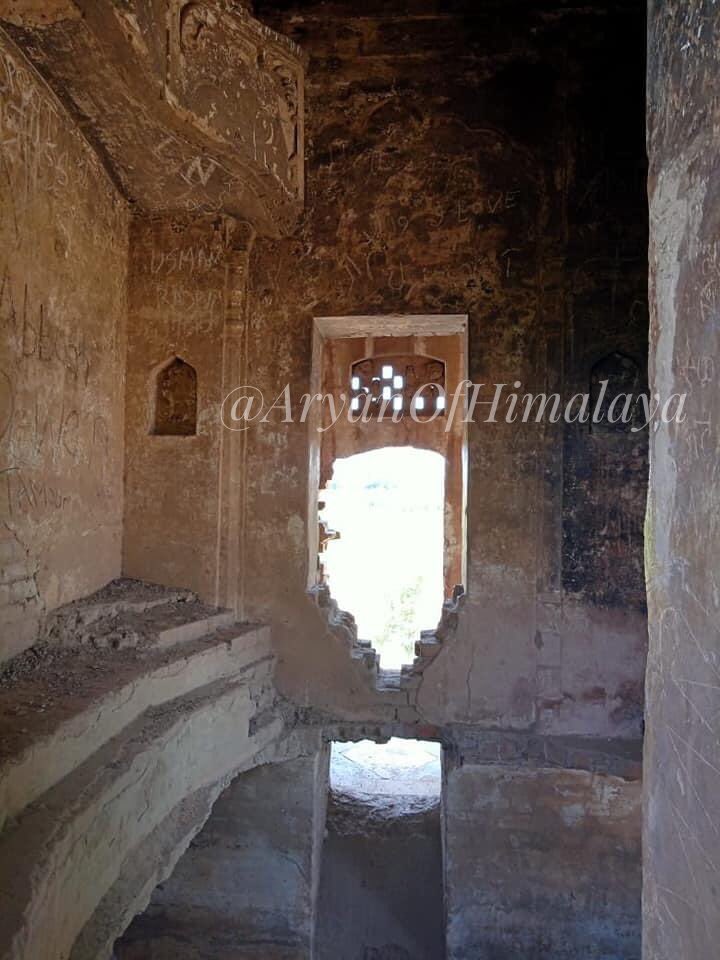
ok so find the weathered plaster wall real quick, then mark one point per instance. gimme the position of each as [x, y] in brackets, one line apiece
[682, 765]
[541, 863]
[63, 235]
[176, 309]
[246, 888]
[481, 161]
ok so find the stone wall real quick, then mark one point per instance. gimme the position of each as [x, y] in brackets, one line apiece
[176, 310]
[541, 863]
[480, 161]
[63, 233]
[682, 766]
[246, 889]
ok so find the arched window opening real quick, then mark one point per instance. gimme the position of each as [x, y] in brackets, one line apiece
[176, 400]
[387, 563]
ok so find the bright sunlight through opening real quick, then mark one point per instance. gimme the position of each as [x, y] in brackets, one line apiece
[387, 567]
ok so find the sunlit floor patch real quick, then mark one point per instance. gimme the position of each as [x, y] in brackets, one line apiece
[409, 768]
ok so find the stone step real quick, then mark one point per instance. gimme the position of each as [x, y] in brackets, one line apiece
[58, 706]
[428, 646]
[192, 623]
[117, 599]
[161, 625]
[89, 822]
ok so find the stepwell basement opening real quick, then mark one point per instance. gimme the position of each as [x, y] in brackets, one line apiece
[381, 882]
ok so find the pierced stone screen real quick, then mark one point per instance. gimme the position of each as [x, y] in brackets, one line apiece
[398, 385]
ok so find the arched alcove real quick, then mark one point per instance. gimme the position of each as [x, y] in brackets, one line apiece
[175, 406]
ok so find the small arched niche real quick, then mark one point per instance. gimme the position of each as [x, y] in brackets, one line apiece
[613, 379]
[175, 406]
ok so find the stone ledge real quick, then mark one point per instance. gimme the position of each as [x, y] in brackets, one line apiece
[72, 702]
[621, 758]
[89, 823]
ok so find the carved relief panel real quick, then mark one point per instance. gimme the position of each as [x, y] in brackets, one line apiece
[245, 83]
[196, 106]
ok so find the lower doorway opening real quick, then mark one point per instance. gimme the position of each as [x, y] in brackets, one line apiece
[381, 881]
[398, 768]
